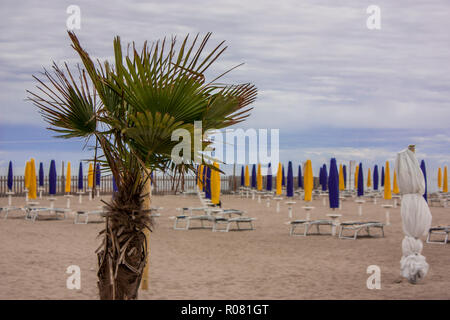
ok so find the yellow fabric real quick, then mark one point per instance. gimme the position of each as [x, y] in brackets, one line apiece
[341, 178]
[387, 183]
[200, 177]
[395, 188]
[27, 175]
[32, 190]
[356, 177]
[259, 180]
[90, 176]
[308, 182]
[215, 184]
[68, 178]
[279, 179]
[247, 177]
[445, 182]
[439, 178]
[369, 179]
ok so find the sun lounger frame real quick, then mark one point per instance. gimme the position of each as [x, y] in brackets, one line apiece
[307, 224]
[32, 213]
[356, 227]
[228, 222]
[86, 214]
[441, 231]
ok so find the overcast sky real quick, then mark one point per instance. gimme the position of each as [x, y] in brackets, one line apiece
[332, 86]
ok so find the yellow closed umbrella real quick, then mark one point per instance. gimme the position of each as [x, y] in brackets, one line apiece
[90, 176]
[439, 178]
[259, 180]
[369, 179]
[395, 188]
[445, 182]
[356, 177]
[341, 178]
[387, 183]
[200, 177]
[279, 179]
[27, 175]
[32, 190]
[215, 184]
[308, 181]
[68, 179]
[247, 177]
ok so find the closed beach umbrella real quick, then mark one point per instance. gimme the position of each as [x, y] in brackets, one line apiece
[324, 177]
[445, 181]
[382, 176]
[215, 184]
[97, 175]
[27, 175]
[269, 178]
[439, 179]
[283, 180]
[68, 179]
[360, 181]
[247, 177]
[321, 176]
[242, 177]
[254, 176]
[259, 180]
[416, 216]
[333, 185]
[369, 178]
[290, 181]
[308, 181]
[300, 177]
[52, 178]
[279, 179]
[387, 183]
[204, 178]
[375, 177]
[32, 194]
[90, 176]
[424, 171]
[356, 176]
[115, 189]
[395, 184]
[10, 176]
[341, 177]
[200, 177]
[41, 174]
[344, 170]
[80, 177]
[208, 183]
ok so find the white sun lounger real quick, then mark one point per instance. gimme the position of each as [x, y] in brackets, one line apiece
[441, 231]
[6, 210]
[86, 215]
[227, 222]
[187, 216]
[307, 224]
[32, 213]
[357, 226]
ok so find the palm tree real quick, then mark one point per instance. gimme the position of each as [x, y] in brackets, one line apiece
[130, 110]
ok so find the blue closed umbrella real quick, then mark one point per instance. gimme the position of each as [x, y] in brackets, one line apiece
[41, 175]
[333, 185]
[321, 175]
[424, 170]
[300, 179]
[324, 178]
[52, 178]
[97, 175]
[382, 176]
[375, 177]
[80, 177]
[204, 179]
[208, 183]
[242, 177]
[10, 176]
[254, 176]
[269, 178]
[344, 171]
[115, 189]
[360, 181]
[283, 180]
[290, 181]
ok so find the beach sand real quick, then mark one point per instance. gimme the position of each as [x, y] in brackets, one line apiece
[265, 263]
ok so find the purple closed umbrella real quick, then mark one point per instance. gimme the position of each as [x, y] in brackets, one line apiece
[333, 185]
[300, 179]
[115, 189]
[242, 177]
[41, 175]
[269, 178]
[283, 180]
[208, 183]
[290, 181]
[375, 177]
[382, 176]
[97, 175]
[254, 176]
[80, 177]
[52, 178]
[10, 176]
[344, 171]
[424, 171]
[324, 178]
[360, 181]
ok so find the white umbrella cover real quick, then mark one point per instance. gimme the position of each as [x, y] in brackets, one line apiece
[416, 216]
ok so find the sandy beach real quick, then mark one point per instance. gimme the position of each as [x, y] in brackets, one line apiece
[265, 263]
